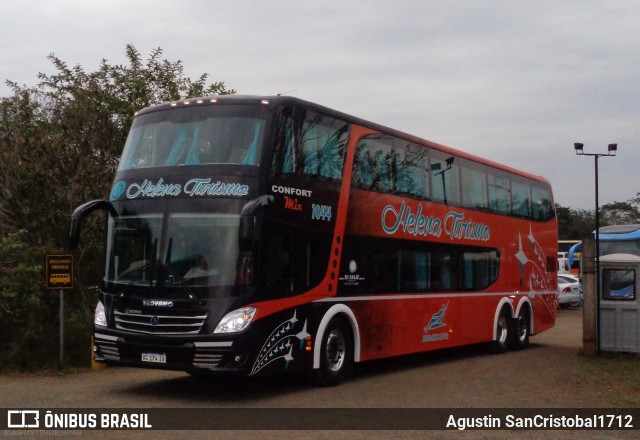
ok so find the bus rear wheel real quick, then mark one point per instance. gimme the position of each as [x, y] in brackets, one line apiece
[520, 331]
[336, 354]
[501, 343]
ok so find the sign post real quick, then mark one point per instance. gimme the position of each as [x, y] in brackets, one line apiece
[59, 275]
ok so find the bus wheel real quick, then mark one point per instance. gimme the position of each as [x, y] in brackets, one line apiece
[501, 343]
[520, 332]
[336, 354]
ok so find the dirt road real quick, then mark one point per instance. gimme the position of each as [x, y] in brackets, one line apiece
[552, 373]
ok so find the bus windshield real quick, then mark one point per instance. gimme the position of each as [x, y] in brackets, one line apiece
[619, 247]
[201, 250]
[221, 134]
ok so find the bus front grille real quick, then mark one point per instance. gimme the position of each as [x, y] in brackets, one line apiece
[206, 359]
[106, 349]
[169, 322]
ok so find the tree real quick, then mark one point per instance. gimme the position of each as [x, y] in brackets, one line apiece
[619, 213]
[574, 223]
[59, 147]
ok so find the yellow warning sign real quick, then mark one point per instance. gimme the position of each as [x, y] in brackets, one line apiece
[59, 271]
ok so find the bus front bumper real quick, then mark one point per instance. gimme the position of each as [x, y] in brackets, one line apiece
[170, 354]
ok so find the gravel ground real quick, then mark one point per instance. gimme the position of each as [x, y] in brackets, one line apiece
[551, 373]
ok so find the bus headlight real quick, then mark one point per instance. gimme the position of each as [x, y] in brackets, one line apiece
[99, 318]
[236, 321]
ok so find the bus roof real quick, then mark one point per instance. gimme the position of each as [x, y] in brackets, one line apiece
[611, 233]
[619, 229]
[290, 100]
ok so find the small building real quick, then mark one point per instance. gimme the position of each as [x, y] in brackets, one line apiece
[619, 304]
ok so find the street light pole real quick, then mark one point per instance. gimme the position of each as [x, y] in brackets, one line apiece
[612, 149]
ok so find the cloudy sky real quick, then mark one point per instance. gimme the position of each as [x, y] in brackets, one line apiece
[514, 81]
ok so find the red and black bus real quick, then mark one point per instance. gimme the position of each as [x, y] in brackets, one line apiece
[257, 235]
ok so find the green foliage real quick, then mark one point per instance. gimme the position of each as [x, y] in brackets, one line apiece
[575, 223]
[24, 321]
[59, 147]
[620, 213]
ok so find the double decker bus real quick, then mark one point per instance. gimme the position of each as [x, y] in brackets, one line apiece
[259, 235]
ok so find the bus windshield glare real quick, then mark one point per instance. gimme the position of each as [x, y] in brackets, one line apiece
[224, 134]
[200, 251]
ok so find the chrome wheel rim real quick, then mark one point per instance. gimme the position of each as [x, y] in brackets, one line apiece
[502, 328]
[336, 349]
[523, 329]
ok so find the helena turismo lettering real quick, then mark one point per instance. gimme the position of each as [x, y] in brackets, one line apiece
[453, 225]
[199, 187]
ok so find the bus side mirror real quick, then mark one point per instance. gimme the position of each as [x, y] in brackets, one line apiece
[83, 211]
[247, 232]
[248, 221]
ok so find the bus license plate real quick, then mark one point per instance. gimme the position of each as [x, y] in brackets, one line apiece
[158, 358]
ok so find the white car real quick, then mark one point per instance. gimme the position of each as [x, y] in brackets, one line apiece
[569, 291]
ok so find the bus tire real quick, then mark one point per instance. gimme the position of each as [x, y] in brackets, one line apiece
[501, 342]
[520, 330]
[336, 354]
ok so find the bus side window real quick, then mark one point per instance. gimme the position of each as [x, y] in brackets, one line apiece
[445, 178]
[390, 165]
[542, 203]
[474, 185]
[499, 188]
[284, 154]
[373, 265]
[309, 143]
[373, 164]
[292, 261]
[520, 198]
[278, 276]
[411, 164]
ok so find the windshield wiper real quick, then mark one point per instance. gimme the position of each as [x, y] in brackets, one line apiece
[126, 288]
[125, 291]
[167, 267]
[192, 296]
[145, 264]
